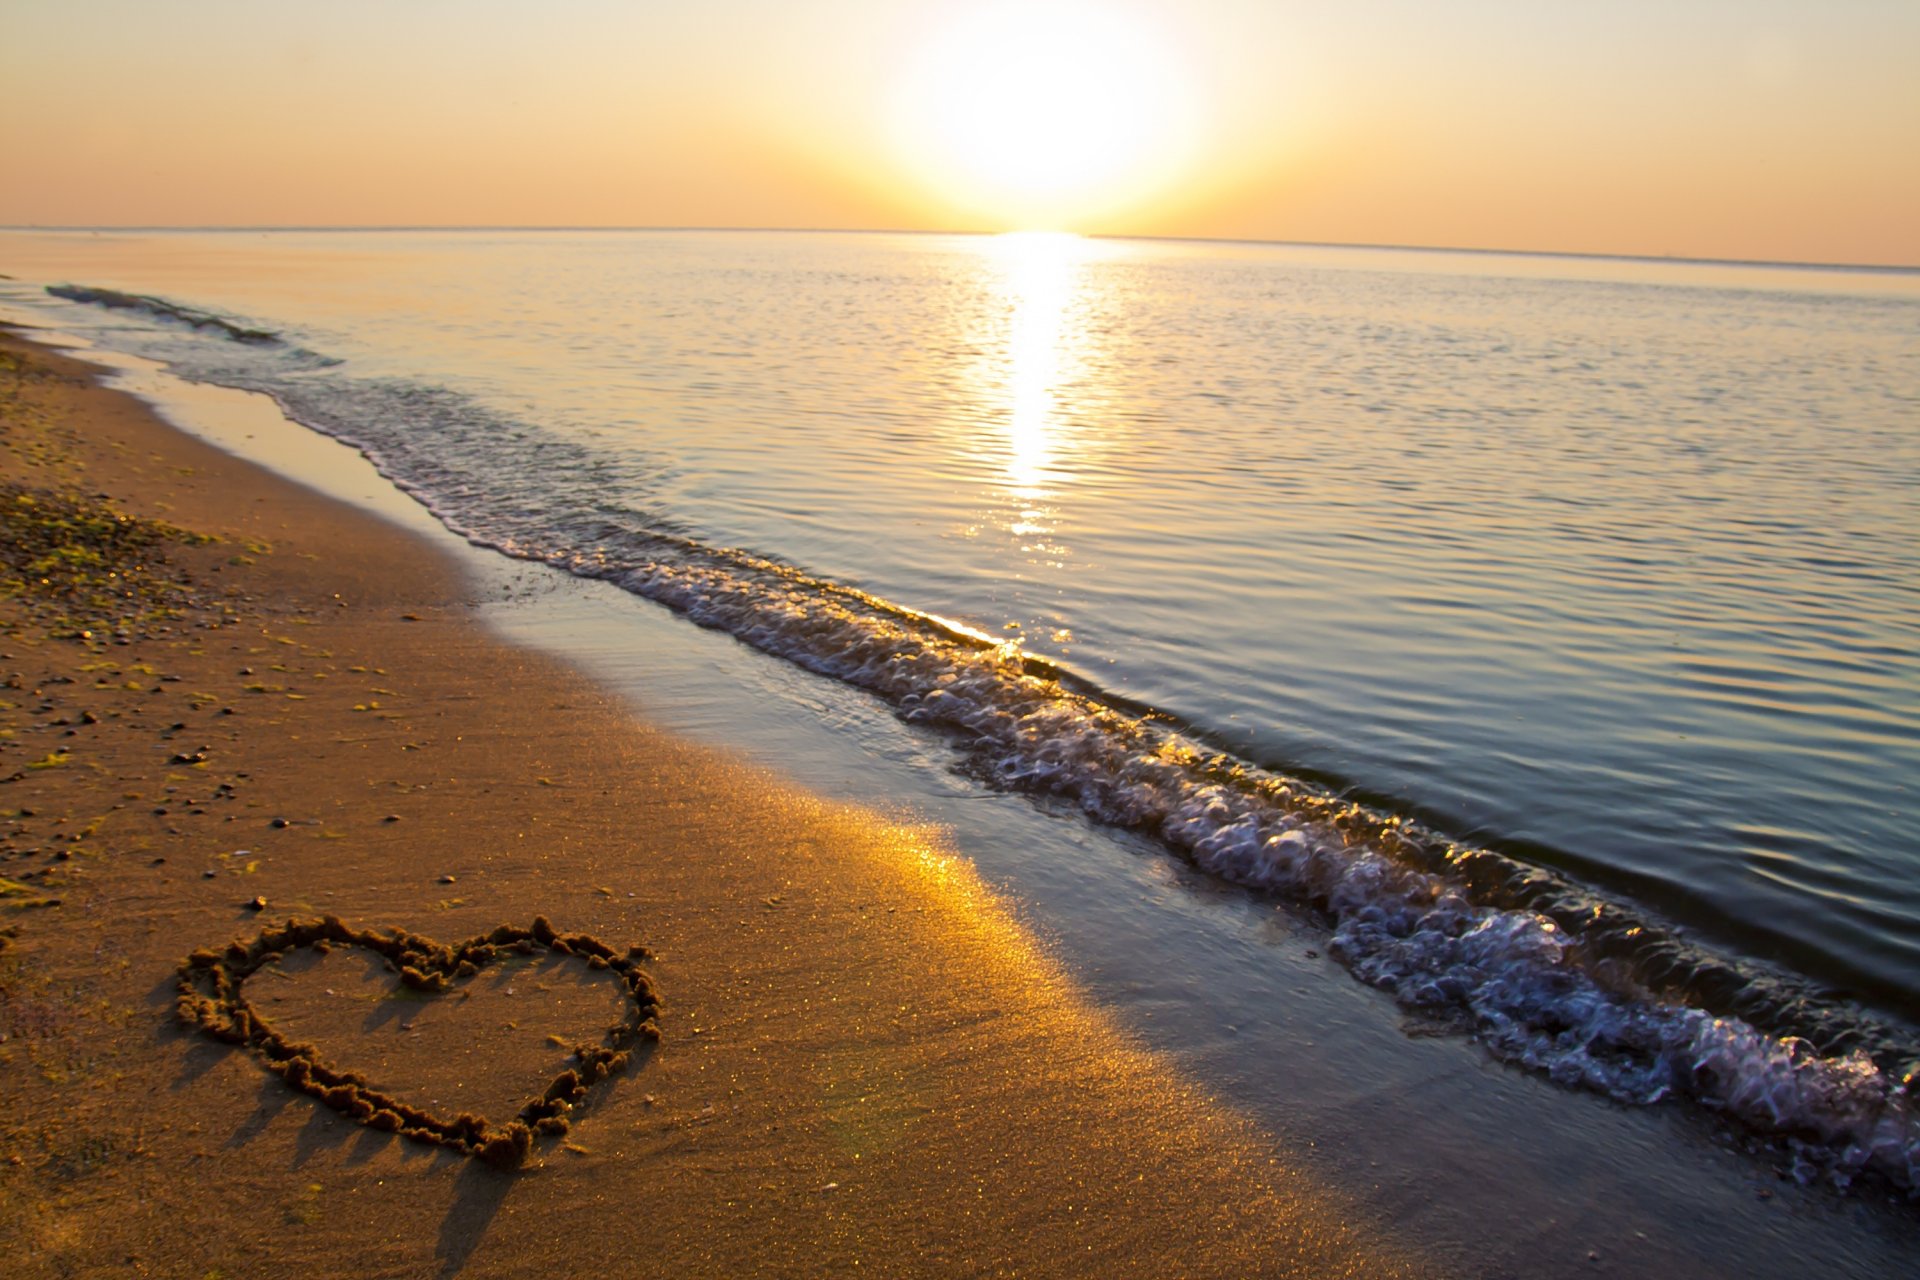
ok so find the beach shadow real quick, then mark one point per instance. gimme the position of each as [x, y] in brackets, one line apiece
[398, 1002]
[479, 1191]
[200, 1057]
[163, 994]
[608, 1091]
[324, 1128]
[274, 1097]
[200, 1054]
[369, 1144]
[296, 961]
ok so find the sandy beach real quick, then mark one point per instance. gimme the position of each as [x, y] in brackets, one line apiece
[863, 1061]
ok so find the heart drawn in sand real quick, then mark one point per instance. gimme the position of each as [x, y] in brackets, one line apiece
[211, 999]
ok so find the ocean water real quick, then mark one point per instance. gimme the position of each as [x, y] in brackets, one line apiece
[1547, 628]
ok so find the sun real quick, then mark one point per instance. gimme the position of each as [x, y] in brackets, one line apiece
[1041, 115]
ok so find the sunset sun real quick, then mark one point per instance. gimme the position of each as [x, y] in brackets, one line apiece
[1042, 115]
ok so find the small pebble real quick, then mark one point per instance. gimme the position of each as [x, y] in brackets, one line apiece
[279, 822]
[446, 879]
[257, 903]
[208, 874]
[392, 817]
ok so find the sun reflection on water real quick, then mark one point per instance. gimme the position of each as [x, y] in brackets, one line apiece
[1040, 276]
[1042, 362]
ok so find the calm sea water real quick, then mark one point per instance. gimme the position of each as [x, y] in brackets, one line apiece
[1551, 626]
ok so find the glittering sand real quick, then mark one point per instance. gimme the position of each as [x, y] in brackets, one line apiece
[864, 1061]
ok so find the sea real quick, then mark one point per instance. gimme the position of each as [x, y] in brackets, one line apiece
[1522, 652]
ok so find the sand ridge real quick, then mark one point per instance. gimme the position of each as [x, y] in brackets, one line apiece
[865, 1062]
[212, 999]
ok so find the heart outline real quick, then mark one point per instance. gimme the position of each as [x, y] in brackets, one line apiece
[210, 998]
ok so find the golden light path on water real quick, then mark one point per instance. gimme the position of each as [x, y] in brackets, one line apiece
[1041, 276]
[1041, 271]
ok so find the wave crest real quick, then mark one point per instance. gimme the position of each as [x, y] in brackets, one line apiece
[161, 309]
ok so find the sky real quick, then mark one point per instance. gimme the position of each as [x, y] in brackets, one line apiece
[1780, 130]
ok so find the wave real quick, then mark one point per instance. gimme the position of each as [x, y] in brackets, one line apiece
[161, 309]
[1542, 973]
[1545, 974]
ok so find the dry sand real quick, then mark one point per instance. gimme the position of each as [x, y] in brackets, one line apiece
[864, 1062]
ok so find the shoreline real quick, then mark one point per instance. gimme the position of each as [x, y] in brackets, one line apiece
[864, 1058]
[1790, 977]
[1491, 1168]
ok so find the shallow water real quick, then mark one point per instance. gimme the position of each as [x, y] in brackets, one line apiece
[1607, 568]
[1491, 1171]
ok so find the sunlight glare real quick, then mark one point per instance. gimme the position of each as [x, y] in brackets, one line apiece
[1040, 272]
[1043, 115]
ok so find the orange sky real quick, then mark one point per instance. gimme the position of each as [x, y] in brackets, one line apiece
[1770, 130]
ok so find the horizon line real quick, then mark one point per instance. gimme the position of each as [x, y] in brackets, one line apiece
[1480, 250]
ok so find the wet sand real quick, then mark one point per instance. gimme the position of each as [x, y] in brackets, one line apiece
[864, 1061]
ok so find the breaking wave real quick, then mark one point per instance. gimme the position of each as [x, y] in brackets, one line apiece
[161, 309]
